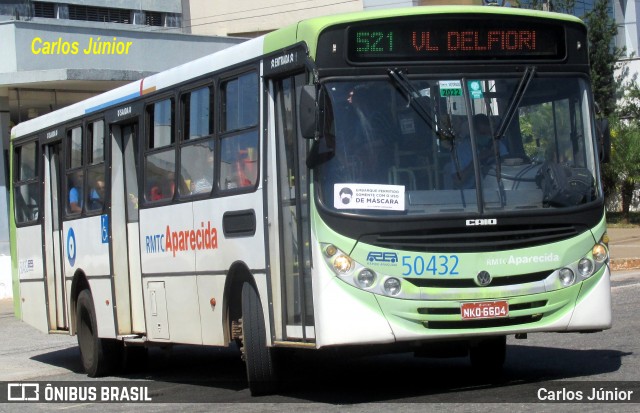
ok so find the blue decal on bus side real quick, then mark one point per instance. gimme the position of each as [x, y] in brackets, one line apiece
[71, 247]
[112, 103]
[105, 228]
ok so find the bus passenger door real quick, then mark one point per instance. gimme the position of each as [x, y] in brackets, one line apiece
[125, 245]
[293, 247]
[54, 277]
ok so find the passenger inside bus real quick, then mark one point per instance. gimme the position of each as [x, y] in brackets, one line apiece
[164, 188]
[205, 182]
[75, 192]
[239, 167]
[459, 173]
[96, 197]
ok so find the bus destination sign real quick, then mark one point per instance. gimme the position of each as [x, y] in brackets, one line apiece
[458, 39]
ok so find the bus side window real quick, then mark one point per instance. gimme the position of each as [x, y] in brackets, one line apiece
[239, 142]
[239, 161]
[160, 157]
[75, 173]
[27, 186]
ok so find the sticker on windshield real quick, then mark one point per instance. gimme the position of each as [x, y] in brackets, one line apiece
[368, 196]
[450, 88]
[475, 89]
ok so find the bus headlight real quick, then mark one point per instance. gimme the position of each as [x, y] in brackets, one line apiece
[392, 286]
[600, 253]
[366, 278]
[567, 276]
[331, 250]
[585, 267]
[342, 264]
[352, 271]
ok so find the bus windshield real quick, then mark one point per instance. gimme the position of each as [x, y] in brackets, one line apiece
[425, 147]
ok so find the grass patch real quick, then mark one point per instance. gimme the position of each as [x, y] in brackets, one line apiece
[616, 220]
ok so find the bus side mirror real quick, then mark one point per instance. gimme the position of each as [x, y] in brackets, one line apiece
[604, 139]
[307, 111]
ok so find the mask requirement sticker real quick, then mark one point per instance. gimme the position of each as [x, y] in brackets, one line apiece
[368, 196]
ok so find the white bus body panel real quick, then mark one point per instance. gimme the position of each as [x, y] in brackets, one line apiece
[174, 299]
[86, 249]
[185, 258]
[157, 226]
[593, 311]
[249, 250]
[171, 301]
[31, 271]
[103, 304]
[339, 317]
[91, 254]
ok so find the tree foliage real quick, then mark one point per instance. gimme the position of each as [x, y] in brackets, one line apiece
[604, 57]
[625, 160]
[616, 94]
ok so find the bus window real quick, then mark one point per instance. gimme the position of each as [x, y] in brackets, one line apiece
[161, 122]
[198, 116]
[197, 154]
[95, 172]
[74, 139]
[160, 166]
[238, 152]
[196, 167]
[238, 161]
[160, 175]
[75, 174]
[240, 102]
[27, 185]
[95, 131]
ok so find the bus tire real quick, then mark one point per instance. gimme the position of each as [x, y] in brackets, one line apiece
[259, 359]
[488, 355]
[99, 356]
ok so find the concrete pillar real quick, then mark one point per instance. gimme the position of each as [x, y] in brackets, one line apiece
[5, 256]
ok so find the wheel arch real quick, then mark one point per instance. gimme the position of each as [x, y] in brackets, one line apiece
[238, 274]
[79, 283]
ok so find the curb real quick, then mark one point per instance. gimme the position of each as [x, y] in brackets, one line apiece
[621, 264]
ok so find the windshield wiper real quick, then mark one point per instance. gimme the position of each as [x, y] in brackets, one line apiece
[402, 82]
[529, 72]
[516, 99]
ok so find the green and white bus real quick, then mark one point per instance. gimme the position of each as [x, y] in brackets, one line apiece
[395, 178]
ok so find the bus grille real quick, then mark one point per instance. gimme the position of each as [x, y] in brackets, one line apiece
[472, 239]
[490, 323]
[470, 283]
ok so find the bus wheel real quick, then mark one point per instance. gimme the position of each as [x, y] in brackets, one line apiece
[99, 356]
[488, 355]
[259, 359]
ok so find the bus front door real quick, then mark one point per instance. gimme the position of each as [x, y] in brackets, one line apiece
[54, 251]
[293, 249]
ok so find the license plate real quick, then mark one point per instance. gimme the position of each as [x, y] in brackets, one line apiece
[486, 309]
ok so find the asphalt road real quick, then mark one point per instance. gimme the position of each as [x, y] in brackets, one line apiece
[335, 382]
